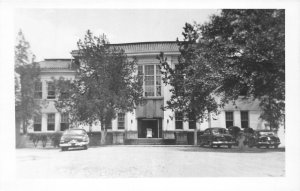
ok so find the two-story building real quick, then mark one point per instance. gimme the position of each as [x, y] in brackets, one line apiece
[147, 121]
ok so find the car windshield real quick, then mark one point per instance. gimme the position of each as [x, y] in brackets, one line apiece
[219, 131]
[266, 133]
[74, 132]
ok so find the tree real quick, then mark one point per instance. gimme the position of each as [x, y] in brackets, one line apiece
[105, 84]
[192, 81]
[247, 48]
[26, 75]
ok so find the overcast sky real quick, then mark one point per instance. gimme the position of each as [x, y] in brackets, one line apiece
[53, 33]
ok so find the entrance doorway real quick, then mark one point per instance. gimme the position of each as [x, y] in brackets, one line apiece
[149, 128]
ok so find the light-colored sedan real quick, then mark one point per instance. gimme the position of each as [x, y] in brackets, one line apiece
[73, 138]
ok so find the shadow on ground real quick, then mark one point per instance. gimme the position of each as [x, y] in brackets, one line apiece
[232, 150]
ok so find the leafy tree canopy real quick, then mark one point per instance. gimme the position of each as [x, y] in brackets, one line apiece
[26, 75]
[105, 83]
[247, 49]
[238, 52]
[192, 80]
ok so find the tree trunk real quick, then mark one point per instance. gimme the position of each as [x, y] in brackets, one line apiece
[24, 127]
[195, 137]
[103, 133]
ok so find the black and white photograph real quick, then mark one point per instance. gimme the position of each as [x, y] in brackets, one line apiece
[201, 97]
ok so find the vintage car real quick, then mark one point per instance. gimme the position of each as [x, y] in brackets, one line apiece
[264, 138]
[72, 138]
[216, 136]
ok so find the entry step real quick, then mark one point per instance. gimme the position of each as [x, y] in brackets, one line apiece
[149, 141]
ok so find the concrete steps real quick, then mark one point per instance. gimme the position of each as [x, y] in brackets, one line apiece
[149, 141]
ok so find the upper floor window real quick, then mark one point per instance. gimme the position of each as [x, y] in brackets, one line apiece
[178, 120]
[179, 87]
[38, 90]
[51, 122]
[229, 118]
[37, 123]
[245, 119]
[121, 120]
[152, 79]
[64, 122]
[51, 90]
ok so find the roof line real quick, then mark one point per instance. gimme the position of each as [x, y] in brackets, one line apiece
[150, 42]
[56, 59]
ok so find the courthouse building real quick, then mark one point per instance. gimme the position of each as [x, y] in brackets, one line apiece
[145, 122]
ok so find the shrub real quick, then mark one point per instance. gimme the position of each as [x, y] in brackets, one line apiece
[34, 138]
[44, 139]
[55, 138]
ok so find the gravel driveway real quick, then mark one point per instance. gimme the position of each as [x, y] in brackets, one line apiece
[149, 161]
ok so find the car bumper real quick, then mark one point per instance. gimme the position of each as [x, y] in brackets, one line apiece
[268, 143]
[77, 144]
[224, 142]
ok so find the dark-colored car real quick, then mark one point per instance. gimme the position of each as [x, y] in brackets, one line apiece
[72, 138]
[216, 136]
[264, 138]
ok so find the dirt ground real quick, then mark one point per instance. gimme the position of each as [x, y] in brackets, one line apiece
[150, 161]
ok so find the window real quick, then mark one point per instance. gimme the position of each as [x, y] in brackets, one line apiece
[149, 80]
[64, 95]
[245, 119]
[64, 122]
[152, 79]
[51, 91]
[140, 70]
[179, 87]
[229, 118]
[158, 80]
[37, 123]
[38, 92]
[192, 121]
[121, 120]
[178, 120]
[108, 125]
[51, 122]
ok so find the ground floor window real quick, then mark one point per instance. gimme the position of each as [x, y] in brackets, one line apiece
[64, 123]
[192, 121]
[245, 119]
[51, 121]
[178, 120]
[37, 123]
[229, 118]
[121, 120]
[108, 125]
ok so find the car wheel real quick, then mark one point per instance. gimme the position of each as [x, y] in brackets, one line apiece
[219, 146]
[85, 147]
[229, 146]
[64, 148]
[210, 144]
[267, 146]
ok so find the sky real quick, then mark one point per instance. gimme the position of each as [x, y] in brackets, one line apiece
[53, 33]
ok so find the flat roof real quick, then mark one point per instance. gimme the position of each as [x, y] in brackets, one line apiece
[145, 48]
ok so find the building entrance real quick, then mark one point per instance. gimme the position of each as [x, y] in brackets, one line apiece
[149, 128]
